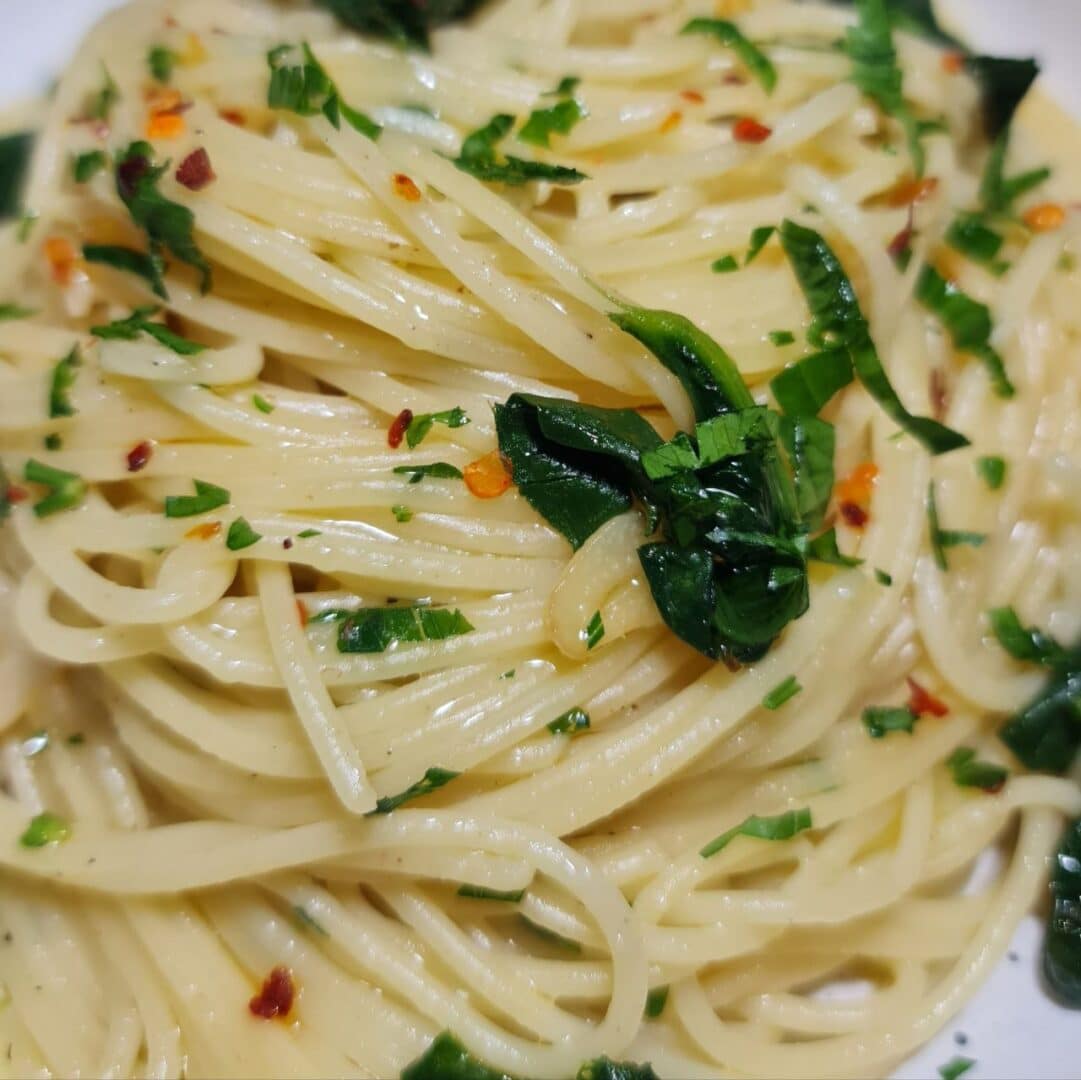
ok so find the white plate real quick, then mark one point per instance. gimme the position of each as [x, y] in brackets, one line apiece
[1010, 1028]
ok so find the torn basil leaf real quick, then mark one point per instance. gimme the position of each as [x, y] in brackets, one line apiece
[558, 119]
[374, 630]
[1026, 643]
[1062, 944]
[806, 387]
[437, 470]
[150, 267]
[139, 322]
[479, 158]
[406, 22]
[730, 35]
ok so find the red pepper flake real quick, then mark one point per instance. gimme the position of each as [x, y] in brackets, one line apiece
[489, 476]
[922, 702]
[397, 429]
[139, 456]
[404, 188]
[16, 494]
[748, 130]
[287, 543]
[854, 514]
[275, 999]
[693, 96]
[302, 612]
[953, 63]
[207, 531]
[194, 172]
[233, 116]
[912, 190]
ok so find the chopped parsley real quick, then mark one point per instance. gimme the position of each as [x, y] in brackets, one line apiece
[969, 771]
[880, 720]
[993, 471]
[759, 238]
[432, 780]
[572, 722]
[566, 86]
[941, 539]
[101, 103]
[955, 1067]
[262, 404]
[207, 497]
[53, 441]
[401, 513]
[374, 630]
[730, 35]
[479, 158]
[559, 119]
[437, 470]
[63, 379]
[66, 489]
[15, 311]
[241, 535]
[139, 322]
[1026, 643]
[782, 692]
[782, 827]
[781, 337]
[970, 235]
[655, 1002]
[87, 165]
[724, 265]
[407, 24]
[594, 631]
[479, 892]
[1062, 944]
[882, 577]
[422, 423]
[161, 62]
[306, 534]
[44, 829]
[150, 267]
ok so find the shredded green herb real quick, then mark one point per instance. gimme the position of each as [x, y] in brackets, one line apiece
[883, 578]
[432, 780]
[437, 470]
[782, 692]
[1028, 644]
[63, 379]
[374, 630]
[782, 827]
[880, 720]
[207, 497]
[572, 722]
[730, 35]
[150, 267]
[102, 102]
[139, 322]
[968, 771]
[993, 471]
[781, 337]
[422, 423]
[594, 631]
[262, 404]
[559, 119]
[724, 265]
[941, 539]
[401, 513]
[161, 61]
[53, 441]
[241, 535]
[479, 892]
[479, 158]
[656, 1001]
[955, 1068]
[66, 489]
[15, 311]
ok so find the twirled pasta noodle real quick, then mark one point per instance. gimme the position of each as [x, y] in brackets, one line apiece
[213, 754]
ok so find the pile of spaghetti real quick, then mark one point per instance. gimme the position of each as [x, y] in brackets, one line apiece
[540, 538]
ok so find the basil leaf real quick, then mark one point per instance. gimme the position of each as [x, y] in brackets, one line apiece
[824, 549]
[1026, 643]
[161, 61]
[138, 322]
[478, 157]
[782, 692]
[66, 489]
[432, 780]
[570, 723]
[479, 892]
[207, 497]
[437, 470]
[87, 165]
[838, 322]
[969, 771]
[671, 458]
[809, 443]
[447, 1059]
[168, 225]
[150, 267]
[1062, 944]
[681, 581]
[241, 535]
[1004, 82]
[805, 387]
[782, 827]
[572, 463]
[374, 630]
[945, 538]
[422, 423]
[566, 86]
[724, 265]
[968, 324]
[15, 152]
[63, 379]
[406, 23]
[752, 57]
[1046, 734]
[402, 513]
[880, 720]
[560, 119]
[993, 471]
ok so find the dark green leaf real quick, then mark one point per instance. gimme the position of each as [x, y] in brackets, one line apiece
[809, 443]
[401, 21]
[1026, 643]
[997, 193]
[838, 322]
[63, 379]
[1046, 733]
[969, 771]
[730, 35]
[15, 152]
[262, 404]
[53, 442]
[672, 458]
[15, 311]
[955, 1068]
[968, 324]
[479, 892]
[149, 267]
[560, 119]
[782, 692]
[604, 1068]
[66, 490]
[161, 62]
[1004, 82]
[883, 578]
[970, 235]
[782, 827]
[550, 936]
[781, 337]
[724, 265]
[88, 164]
[805, 387]
[401, 513]
[880, 720]
[139, 322]
[824, 549]
[44, 829]
[567, 85]
[102, 102]
[759, 238]
[241, 535]
[594, 631]
[432, 780]
[656, 1001]
[479, 158]
[572, 722]
[307, 533]
[5, 497]
[168, 225]
[447, 1059]
[993, 471]
[422, 423]
[1062, 945]
[681, 581]
[437, 470]
[207, 497]
[945, 538]
[374, 630]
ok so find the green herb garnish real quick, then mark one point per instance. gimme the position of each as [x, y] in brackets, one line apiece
[139, 322]
[432, 780]
[594, 631]
[161, 62]
[559, 119]
[437, 470]
[479, 158]
[374, 630]
[1062, 944]
[241, 535]
[401, 513]
[572, 722]
[150, 267]
[941, 539]
[87, 165]
[656, 1001]
[63, 379]
[724, 265]
[993, 471]
[968, 771]
[66, 489]
[44, 829]
[262, 404]
[422, 423]
[782, 827]
[730, 35]
[880, 720]
[479, 892]
[782, 692]
[207, 497]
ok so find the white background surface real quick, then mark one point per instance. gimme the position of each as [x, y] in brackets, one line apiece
[1012, 1030]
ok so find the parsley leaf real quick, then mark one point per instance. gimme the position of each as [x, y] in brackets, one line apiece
[432, 780]
[880, 720]
[63, 379]
[374, 630]
[138, 322]
[968, 771]
[478, 158]
[101, 103]
[438, 470]
[86, 165]
[1025, 643]
[730, 35]
[656, 1000]
[66, 489]
[241, 535]
[261, 403]
[150, 267]
[970, 235]
[993, 471]
[946, 538]
[207, 497]
[782, 692]
[782, 827]
[422, 423]
[161, 62]
[806, 386]
[560, 119]
[724, 265]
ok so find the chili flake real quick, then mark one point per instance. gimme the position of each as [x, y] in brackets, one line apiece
[398, 426]
[139, 456]
[1044, 218]
[194, 172]
[404, 188]
[693, 96]
[671, 122]
[275, 999]
[922, 702]
[749, 130]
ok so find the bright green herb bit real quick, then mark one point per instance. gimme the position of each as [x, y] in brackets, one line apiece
[44, 829]
[374, 630]
[422, 423]
[66, 489]
[437, 470]
[150, 267]
[401, 513]
[656, 1001]
[782, 827]
[558, 119]
[63, 379]
[241, 535]
[882, 577]
[781, 337]
[262, 404]
[969, 771]
[53, 441]
[207, 497]
[161, 62]
[880, 720]
[140, 322]
[102, 102]
[955, 1068]
[479, 892]
[941, 539]
[87, 165]
[730, 35]
[993, 471]
[432, 780]
[724, 265]
[782, 692]
[305, 534]
[594, 631]
[15, 311]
